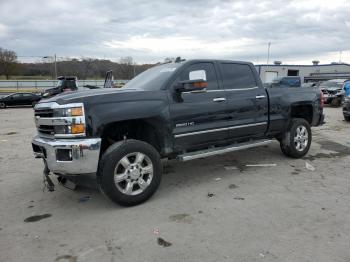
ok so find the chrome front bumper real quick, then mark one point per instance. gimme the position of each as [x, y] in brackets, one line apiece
[83, 154]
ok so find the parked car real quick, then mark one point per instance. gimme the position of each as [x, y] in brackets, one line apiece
[333, 91]
[346, 108]
[19, 99]
[286, 81]
[183, 110]
[64, 84]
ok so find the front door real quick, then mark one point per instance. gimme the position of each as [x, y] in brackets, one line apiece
[199, 117]
[247, 103]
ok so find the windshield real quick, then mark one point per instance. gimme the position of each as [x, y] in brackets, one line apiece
[153, 78]
[67, 84]
[332, 84]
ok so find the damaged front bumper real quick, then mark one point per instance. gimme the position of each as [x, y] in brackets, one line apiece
[68, 156]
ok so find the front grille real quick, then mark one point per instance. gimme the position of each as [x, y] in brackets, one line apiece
[44, 112]
[48, 130]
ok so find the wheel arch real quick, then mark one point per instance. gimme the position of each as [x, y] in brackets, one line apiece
[148, 130]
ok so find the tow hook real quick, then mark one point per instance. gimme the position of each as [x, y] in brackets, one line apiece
[47, 180]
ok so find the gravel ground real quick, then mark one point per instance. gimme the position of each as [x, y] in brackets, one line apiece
[215, 209]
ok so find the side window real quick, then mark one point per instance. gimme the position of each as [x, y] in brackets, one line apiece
[205, 71]
[237, 76]
[16, 96]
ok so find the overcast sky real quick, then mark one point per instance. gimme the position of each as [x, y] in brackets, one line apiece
[149, 31]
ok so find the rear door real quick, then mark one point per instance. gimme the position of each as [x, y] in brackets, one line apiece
[199, 118]
[27, 99]
[247, 103]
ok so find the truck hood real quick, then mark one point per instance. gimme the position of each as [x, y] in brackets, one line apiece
[74, 96]
[330, 88]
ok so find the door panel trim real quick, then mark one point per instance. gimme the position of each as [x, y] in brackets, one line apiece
[219, 129]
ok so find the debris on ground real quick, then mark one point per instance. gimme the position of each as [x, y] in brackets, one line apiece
[10, 133]
[36, 218]
[261, 165]
[210, 195]
[163, 242]
[310, 167]
[181, 218]
[156, 231]
[239, 198]
[68, 258]
[217, 179]
[233, 186]
[84, 199]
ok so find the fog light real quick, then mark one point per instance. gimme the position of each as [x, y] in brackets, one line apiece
[64, 155]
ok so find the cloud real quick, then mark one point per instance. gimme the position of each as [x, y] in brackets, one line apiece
[152, 30]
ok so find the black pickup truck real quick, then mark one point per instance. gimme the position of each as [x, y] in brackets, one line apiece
[185, 110]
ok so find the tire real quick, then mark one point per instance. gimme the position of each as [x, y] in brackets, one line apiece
[293, 144]
[2, 105]
[125, 180]
[347, 118]
[336, 102]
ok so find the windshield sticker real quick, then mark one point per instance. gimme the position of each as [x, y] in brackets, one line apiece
[168, 69]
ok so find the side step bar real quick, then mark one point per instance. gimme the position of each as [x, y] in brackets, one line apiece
[222, 150]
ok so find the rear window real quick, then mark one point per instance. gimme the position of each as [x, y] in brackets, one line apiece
[237, 76]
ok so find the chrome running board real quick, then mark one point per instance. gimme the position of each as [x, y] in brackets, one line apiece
[222, 150]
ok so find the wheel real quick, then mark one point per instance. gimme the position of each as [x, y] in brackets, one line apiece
[336, 102]
[296, 140]
[129, 172]
[2, 105]
[347, 118]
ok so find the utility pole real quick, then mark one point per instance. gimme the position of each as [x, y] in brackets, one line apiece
[55, 67]
[268, 53]
[54, 60]
[134, 68]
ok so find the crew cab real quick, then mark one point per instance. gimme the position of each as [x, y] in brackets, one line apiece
[183, 110]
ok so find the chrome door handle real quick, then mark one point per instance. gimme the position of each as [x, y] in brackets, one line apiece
[260, 97]
[219, 99]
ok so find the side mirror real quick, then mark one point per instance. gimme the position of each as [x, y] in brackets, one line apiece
[191, 85]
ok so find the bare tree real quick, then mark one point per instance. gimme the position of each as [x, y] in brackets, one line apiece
[8, 62]
[127, 67]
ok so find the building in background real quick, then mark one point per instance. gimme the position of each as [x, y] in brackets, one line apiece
[308, 73]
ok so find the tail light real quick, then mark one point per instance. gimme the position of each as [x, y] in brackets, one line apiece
[321, 100]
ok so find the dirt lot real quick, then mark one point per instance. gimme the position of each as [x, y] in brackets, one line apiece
[215, 209]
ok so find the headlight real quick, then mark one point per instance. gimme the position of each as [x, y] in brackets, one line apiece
[70, 129]
[68, 112]
[74, 120]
